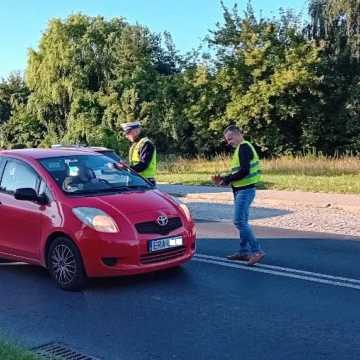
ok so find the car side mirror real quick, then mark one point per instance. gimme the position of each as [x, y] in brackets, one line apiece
[29, 194]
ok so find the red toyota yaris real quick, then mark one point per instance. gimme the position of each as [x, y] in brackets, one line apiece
[84, 215]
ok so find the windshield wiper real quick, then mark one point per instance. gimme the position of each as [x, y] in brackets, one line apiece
[97, 191]
[110, 190]
[130, 188]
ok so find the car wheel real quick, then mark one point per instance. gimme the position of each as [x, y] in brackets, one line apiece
[65, 264]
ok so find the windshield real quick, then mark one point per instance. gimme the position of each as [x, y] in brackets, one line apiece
[90, 174]
[111, 154]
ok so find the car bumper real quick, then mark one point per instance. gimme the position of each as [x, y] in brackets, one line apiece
[106, 258]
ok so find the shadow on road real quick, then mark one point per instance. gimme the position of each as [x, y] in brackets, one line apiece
[28, 275]
[221, 211]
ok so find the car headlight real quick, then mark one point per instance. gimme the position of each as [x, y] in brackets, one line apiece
[96, 219]
[186, 211]
[183, 207]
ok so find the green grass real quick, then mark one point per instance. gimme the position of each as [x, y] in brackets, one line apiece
[11, 352]
[306, 173]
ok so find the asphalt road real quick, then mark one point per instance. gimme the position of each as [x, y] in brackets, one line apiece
[302, 302]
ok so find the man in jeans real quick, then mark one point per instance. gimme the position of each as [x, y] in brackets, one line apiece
[245, 173]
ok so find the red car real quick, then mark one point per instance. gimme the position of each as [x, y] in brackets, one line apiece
[84, 215]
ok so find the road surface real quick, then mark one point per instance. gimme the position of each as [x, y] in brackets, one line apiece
[302, 302]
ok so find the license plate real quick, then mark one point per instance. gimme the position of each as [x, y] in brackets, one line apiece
[166, 243]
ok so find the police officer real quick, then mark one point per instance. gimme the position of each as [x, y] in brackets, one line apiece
[243, 177]
[142, 154]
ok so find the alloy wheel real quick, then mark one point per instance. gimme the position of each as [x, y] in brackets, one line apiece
[63, 264]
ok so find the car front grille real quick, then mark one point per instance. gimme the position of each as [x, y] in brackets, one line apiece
[152, 227]
[162, 255]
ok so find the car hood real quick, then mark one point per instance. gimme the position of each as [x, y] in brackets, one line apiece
[128, 202]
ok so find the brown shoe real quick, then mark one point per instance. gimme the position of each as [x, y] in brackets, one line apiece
[255, 258]
[238, 257]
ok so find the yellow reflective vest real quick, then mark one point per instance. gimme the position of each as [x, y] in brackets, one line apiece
[134, 158]
[254, 175]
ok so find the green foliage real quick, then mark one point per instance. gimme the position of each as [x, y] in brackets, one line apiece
[206, 104]
[291, 87]
[13, 93]
[268, 69]
[13, 352]
[90, 75]
[21, 129]
[335, 27]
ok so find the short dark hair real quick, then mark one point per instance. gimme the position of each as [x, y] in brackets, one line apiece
[232, 128]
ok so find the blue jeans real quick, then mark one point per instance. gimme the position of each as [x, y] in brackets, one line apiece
[248, 242]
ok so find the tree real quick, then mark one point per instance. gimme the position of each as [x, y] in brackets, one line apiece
[335, 25]
[268, 68]
[338, 23]
[21, 129]
[13, 93]
[90, 74]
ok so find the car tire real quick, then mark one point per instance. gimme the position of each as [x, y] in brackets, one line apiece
[65, 264]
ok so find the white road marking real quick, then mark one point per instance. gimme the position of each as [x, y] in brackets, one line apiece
[282, 271]
[273, 267]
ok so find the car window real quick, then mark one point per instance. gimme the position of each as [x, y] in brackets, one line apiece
[111, 154]
[89, 174]
[18, 175]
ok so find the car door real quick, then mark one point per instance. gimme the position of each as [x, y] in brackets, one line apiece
[20, 221]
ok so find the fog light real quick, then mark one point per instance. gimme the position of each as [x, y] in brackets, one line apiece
[109, 261]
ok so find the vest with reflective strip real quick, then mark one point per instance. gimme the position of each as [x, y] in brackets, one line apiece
[134, 158]
[254, 175]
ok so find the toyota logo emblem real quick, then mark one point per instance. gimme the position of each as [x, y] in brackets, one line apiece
[162, 220]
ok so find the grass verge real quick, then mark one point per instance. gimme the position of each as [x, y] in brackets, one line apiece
[12, 352]
[305, 173]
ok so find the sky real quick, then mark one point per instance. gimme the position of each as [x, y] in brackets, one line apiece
[188, 21]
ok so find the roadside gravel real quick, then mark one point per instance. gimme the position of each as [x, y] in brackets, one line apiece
[295, 210]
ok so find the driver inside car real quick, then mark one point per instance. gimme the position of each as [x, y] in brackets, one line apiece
[79, 177]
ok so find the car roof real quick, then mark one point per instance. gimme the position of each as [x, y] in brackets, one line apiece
[80, 147]
[40, 153]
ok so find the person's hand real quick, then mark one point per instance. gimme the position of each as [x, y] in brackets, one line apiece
[217, 180]
[121, 165]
